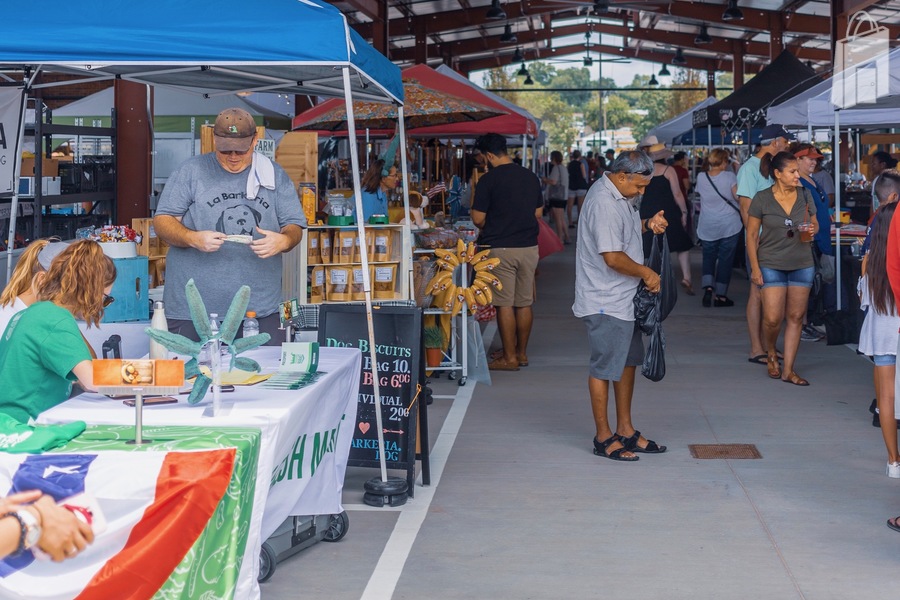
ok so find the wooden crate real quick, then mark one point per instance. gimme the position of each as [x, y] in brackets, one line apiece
[298, 155]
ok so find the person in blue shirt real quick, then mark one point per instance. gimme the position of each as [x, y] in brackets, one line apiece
[376, 184]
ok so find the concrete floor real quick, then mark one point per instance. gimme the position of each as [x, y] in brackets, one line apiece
[521, 508]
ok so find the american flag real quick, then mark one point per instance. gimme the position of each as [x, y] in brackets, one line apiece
[437, 189]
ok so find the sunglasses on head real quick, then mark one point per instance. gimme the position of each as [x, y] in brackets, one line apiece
[645, 173]
[107, 300]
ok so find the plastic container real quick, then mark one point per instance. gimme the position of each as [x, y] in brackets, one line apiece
[251, 325]
[157, 350]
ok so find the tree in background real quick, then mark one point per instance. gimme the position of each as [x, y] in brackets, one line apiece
[576, 79]
[653, 104]
[500, 78]
[682, 101]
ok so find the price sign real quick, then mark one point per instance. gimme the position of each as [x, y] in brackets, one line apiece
[398, 344]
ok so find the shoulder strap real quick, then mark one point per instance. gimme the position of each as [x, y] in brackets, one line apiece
[727, 201]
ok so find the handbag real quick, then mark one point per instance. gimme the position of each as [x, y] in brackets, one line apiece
[556, 191]
[727, 201]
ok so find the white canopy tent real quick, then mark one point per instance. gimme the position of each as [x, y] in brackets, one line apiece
[668, 130]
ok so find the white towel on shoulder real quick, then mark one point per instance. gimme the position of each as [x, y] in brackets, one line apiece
[262, 174]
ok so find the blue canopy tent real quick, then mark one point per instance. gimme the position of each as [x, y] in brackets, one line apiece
[208, 47]
[703, 138]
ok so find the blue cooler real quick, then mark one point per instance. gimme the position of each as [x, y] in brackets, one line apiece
[130, 291]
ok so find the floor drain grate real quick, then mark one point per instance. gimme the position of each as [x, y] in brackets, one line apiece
[736, 451]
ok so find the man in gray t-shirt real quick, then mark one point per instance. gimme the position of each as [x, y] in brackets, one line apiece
[608, 268]
[219, 235]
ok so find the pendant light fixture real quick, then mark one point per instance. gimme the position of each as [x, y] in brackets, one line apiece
[523, 72]
[732, 12]
[588, 61]
[664, 72]
[679, 58]
[517, 56]
[495, 12]
[601, 6]
[508, 36]
[653, 82]
[703, 36]
[528, 81]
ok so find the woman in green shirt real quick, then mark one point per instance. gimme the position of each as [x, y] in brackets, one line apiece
[42, 351]
[779, 231]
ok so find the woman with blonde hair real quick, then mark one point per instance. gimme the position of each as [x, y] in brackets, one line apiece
[719, 228]
[43, 351]
[19, 292]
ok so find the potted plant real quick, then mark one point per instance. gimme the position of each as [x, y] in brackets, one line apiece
[434, 345]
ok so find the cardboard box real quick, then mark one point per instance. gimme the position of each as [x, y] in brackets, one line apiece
[49, 167]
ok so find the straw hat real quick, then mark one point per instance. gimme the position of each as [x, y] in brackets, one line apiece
[649, 140]
[658, 152]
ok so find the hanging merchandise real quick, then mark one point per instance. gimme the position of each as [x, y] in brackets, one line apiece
[479, 292]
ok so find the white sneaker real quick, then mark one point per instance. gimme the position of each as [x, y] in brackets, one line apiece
[893, 470]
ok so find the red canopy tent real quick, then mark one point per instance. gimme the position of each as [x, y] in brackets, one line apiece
[510, 124]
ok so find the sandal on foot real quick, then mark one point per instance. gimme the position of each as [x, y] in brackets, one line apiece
[631, 444]
[774, 367]
[795, 379]
[894, 523]
[688, 288]
[523, 361]
[602, 449]
[502, 365]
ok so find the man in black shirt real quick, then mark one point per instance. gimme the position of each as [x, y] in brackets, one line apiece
[508, 202]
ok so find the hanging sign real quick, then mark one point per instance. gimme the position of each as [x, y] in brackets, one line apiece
[11, 102]
[862, 63]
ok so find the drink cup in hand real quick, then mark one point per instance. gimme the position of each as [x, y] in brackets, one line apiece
[806, 231]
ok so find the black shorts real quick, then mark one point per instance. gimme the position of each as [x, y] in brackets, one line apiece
[557, 203]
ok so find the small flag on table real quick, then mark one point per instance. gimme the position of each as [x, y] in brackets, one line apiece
[437, 189]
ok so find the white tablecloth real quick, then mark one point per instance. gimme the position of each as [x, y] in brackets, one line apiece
[306, 436]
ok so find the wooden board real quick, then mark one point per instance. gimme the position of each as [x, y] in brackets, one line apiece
[298, 155]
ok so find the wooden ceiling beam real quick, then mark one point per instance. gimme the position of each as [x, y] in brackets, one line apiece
[721, 46]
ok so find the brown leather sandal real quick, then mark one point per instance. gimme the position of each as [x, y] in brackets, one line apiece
[774, 367]
[795, 379]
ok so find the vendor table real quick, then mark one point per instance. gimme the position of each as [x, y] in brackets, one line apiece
[175, 510]
[305, 440]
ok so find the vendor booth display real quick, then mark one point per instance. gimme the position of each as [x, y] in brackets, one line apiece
[143, 43]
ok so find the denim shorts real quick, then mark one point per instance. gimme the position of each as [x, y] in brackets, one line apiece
[779, 278]
[884, 360]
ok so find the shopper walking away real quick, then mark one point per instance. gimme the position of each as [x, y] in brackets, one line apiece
[508, 202]
[780, 227]
[751, 181]
[557, 188]
[878, 337]
[719, 227]
[609, 265]
[664, 194]
[578, 185]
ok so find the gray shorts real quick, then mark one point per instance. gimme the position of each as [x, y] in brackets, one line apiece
[615, 344]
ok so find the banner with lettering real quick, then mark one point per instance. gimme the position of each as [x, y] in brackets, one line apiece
[12, 102]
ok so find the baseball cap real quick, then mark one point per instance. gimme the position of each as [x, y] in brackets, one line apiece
[811, 152]
[772, 131]
[49, 252]
[234, 130]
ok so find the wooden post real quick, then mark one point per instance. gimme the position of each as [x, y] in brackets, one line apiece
[134, 165]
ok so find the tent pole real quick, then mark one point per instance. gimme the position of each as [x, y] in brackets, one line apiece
[709, 139]
[836, 165]
[17, 167]
[367, 285]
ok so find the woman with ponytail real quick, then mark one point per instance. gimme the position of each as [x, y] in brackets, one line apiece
[780, 227]
[42, 351]
[878, 336]
[19, 292]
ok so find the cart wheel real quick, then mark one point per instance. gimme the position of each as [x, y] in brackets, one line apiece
[452, 375]
[462, 381]
[267, 562]
[337, 527]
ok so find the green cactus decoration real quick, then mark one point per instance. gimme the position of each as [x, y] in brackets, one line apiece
[182, 345]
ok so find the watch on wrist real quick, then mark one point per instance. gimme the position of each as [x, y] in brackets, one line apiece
[30, 530]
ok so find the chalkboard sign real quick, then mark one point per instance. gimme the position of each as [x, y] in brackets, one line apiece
[398, 350]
